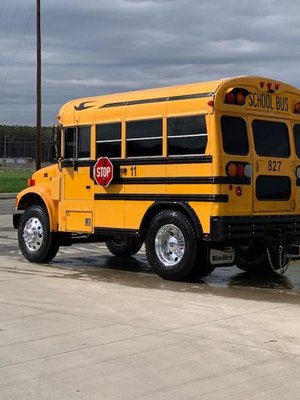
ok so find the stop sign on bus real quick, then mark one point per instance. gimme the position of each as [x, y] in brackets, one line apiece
[103, 171]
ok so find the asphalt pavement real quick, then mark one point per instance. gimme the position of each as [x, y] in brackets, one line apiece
[8, 195]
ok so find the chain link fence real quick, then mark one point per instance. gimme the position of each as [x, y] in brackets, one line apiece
[27, 150]
[18, 147]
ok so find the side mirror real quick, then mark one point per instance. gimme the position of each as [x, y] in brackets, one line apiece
[57, 141]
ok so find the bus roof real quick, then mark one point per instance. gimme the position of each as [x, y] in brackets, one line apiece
[208, 89]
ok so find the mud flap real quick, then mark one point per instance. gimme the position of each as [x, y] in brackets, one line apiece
[293, 251]
[221, 255]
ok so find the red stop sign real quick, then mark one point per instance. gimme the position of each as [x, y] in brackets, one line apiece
[103, 171]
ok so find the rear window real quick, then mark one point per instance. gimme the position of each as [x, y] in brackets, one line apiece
[297, 139]
[234, 135]
[271, 188]
[271, 139]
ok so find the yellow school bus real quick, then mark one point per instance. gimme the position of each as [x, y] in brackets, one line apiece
[205, 174]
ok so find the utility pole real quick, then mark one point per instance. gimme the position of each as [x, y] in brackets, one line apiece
[5, 146]
[38, 85]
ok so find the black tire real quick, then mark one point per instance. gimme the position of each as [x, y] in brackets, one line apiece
[171, 245]
[124, 246]
[252, 257]
[36, 242]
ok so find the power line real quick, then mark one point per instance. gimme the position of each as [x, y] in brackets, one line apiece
[11, 19]
[18, 47]
[14, 14]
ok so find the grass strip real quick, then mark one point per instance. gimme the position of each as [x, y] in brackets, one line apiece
[12, 181]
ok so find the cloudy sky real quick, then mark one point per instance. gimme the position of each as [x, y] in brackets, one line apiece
[95, 47]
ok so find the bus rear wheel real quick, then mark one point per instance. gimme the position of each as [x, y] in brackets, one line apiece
[36, 242]
[171, 245]
[124, 246]
[251, 257]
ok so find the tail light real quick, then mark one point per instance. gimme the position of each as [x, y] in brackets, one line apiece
[297, 108]
[231, 169]
[238, 169]
[236, 96]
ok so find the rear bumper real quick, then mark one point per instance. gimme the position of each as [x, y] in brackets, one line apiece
[254, 227]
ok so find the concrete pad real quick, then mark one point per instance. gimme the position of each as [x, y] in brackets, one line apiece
[83, 328]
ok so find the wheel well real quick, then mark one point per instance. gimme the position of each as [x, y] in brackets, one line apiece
[34, 199]
[31, 199]
[159, 206]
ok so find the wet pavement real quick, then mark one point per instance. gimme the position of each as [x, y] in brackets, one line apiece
[92, 261]
[136, 272]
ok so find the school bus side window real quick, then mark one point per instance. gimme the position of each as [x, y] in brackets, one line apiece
[84, 142]
[297, 139]
[234, 135]
[78, 142]
[108, 140]
[187, 135]
[144, 138]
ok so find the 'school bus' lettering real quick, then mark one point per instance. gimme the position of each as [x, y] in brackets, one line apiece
[268, 101]
[205, 174]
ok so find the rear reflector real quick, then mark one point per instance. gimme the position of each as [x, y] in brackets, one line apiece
[31, 182]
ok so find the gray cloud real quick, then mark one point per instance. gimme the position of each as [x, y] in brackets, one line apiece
[100, 46]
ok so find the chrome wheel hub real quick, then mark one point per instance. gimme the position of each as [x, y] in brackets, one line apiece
[169, 245]
[33, 234]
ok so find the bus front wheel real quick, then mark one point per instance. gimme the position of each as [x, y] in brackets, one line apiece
[36, 242]
[171, 245]
[124, 246]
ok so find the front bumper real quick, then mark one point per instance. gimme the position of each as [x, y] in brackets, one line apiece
[16, 220]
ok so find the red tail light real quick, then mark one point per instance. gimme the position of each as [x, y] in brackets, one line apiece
[229, 98]
[240, 170]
